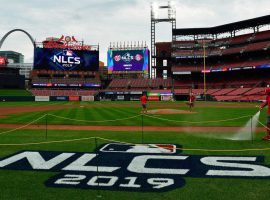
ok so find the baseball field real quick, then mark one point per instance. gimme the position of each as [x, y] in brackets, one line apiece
[218, 144]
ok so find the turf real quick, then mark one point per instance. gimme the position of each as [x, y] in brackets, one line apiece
[14, 92]
[30, 185]
[103, 111]
[18, 184]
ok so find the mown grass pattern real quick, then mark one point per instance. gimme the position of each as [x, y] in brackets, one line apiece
[30, 185]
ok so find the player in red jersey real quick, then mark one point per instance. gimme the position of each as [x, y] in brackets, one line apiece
[191, 101]
[267, 103]
[144, 103]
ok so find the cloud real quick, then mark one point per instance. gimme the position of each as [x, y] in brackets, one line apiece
[104, 21]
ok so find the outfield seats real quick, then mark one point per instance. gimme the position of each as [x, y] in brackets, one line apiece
[141, 83]
[238, 91]
[223, 92]
[211, 91]
[233, 50]
[181, 91]
[242, 38]
[262, 35]
[257, 46]
[256, 91]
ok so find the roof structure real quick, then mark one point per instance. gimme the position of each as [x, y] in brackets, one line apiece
[226, 28]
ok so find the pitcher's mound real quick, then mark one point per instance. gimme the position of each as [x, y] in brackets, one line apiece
[168, 111]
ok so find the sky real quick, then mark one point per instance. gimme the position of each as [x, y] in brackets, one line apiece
[105, 21]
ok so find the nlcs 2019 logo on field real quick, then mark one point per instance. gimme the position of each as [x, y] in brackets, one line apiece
[66, 60]
[125, 167]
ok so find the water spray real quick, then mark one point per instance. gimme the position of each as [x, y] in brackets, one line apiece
[246, 132]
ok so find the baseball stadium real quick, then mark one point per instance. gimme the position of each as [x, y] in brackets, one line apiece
[73, 128]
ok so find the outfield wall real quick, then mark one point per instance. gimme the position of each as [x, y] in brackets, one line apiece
[133, 96]
[17, 98]
[115, 96]
[46, 98]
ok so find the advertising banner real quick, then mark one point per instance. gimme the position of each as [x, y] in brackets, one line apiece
[153, 94]
[134, 99]
[59, 98]
[42, 98]
[166, 98]
[121, 97]
[88, 98]
[74, 98]
[136, 92]
[153, 98]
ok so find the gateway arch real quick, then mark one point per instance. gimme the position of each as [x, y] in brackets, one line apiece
[15, 30]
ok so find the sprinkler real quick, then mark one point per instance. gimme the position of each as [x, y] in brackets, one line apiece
[246, 132]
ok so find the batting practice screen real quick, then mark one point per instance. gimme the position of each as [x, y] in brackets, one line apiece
[128, 60]
[65, 59]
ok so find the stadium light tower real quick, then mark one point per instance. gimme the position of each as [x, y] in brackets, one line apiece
[171, 18]
[204, 69]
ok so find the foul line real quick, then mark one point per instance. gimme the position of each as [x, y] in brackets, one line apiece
[263, 125]
[121, 142]
[21, 127]
[122, 119]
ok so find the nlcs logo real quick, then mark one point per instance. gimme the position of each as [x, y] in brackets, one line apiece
[127, 57]
[66, 60]
[149, 167]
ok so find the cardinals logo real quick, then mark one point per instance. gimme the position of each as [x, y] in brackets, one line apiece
[138, 57]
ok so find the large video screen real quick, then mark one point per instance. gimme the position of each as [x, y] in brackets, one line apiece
[66, 59]
[128, 60]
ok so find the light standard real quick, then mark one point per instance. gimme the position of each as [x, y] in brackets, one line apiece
[204, 70]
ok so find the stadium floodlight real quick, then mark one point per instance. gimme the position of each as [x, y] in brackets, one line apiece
[154, 10]
[171, 4]
[156, 17]
[171, 10]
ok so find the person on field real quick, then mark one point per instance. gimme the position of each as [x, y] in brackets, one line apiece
[191, 101]
[267, 103]
[143, 100]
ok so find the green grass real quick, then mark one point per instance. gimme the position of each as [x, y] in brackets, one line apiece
[29, 184]
[22, 185]
[102, 111]
[14, 92]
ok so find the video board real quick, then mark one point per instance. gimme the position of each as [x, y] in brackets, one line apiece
[66, 59]
[128, 60]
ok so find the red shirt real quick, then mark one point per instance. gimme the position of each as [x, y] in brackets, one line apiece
[267, 103]
[143, 99]
[191, 98]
